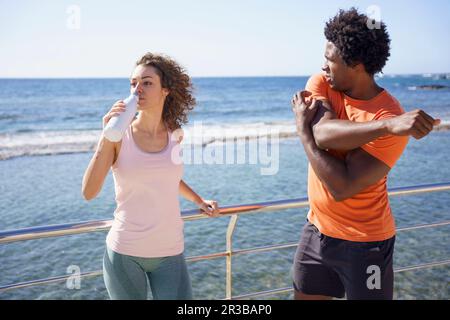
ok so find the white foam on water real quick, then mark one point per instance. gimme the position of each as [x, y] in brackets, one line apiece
[197, 134]
[60, 142]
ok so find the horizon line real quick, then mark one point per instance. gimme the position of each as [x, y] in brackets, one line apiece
[223, 76]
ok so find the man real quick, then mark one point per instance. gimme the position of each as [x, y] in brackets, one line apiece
[353, 132]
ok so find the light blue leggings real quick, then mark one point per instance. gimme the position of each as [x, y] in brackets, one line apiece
[126, 277]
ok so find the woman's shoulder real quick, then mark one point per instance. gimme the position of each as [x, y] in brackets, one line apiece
[177, 135]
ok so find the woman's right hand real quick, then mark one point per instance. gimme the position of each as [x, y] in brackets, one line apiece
[115, 111]
[209, 207]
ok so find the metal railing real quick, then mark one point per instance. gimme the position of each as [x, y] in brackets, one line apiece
[189, 215]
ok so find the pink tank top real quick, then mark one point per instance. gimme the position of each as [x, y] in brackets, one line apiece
[147, 221]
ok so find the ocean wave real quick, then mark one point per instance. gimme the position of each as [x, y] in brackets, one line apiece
[9, 116]
[77, 141]
[429, 87]
[197, 134]
[444, 126]
[33, 143]
[436, 76]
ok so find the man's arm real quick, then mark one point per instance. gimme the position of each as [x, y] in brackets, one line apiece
[332, 133]
[344, 178]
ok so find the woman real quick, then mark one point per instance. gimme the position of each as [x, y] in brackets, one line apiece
[146, 237]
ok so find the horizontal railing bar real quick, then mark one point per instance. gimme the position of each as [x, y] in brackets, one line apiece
[94, 273]
[294, 244]
[423, 266]
[428, 225]
[290, 289]
[433, 187]
[209, 257]
[188, 215]
[245, 296]
[54, 230]
[49, 280]
[263, 293]
[265, 248]
[103, 225]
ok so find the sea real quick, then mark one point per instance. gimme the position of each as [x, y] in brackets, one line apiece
[49, 129]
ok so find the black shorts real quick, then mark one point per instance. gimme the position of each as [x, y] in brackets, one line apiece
[334, 267]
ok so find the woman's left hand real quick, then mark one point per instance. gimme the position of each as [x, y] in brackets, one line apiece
[210, 207]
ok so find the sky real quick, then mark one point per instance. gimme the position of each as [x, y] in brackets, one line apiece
[210, 38]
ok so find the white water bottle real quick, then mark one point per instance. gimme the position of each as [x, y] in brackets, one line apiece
[117, 125]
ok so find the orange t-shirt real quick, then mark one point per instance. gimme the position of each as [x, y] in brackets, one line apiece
[366, 216]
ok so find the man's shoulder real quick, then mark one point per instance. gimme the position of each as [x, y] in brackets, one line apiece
[388, 104]
[319, 87]
[317, 79]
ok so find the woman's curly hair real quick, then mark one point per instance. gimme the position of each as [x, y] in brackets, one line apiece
[180, 99]
[357, 43]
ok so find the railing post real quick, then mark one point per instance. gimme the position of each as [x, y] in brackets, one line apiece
[230, 231]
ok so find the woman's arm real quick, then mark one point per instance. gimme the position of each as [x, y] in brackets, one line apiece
[210, 207]
[103, 158]
[189, 194]
[98, 168]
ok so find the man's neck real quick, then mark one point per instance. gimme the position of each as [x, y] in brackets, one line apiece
[365, 88]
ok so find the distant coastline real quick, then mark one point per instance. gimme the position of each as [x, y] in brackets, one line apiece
[433, 76]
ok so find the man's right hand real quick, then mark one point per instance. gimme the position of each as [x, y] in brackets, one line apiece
[415, 123]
